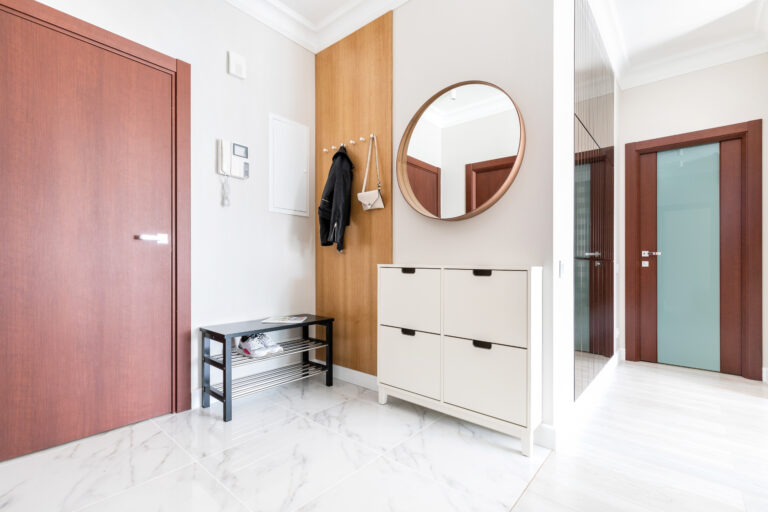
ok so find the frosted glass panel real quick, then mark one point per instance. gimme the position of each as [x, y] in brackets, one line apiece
[688, 235]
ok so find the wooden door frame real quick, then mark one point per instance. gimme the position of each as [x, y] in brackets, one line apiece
[472, 169]
[180, 74]
[751, 335]
[429, 168]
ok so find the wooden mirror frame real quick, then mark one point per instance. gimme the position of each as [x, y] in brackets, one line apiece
[402, 156]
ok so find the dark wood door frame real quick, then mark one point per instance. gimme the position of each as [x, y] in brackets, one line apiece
[180, 73]
[473, 169]
[747, 215]
[426, 167]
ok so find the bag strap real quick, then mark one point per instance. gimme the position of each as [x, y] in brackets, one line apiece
[372, 143]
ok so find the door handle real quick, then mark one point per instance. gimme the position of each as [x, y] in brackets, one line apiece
[646, 254]
[160, 238]
[591, 254]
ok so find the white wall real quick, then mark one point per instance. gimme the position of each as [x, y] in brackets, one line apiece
[495, 136]
[246, 262]
[721, 95]
[427, 143]
[484, 40]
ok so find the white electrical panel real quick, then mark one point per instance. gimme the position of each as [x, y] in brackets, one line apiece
[288, 166]
[232, 159]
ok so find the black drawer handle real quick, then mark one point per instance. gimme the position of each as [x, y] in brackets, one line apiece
[408, 270]
[482, 344]
[482, 272]
[408, 332]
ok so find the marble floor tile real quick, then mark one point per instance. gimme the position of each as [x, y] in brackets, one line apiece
[74, 475]
[286, 465]
[379, 426]
[190, 489]
[471, 459]
[203, 432]
[311, 395]
[386, 486]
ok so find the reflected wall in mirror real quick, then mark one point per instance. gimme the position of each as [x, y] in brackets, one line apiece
[461, 151]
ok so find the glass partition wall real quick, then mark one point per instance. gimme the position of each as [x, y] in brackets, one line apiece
[593, 202]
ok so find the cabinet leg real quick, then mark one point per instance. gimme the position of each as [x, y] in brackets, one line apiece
[382, 397]
[527, 444]
[206, 398]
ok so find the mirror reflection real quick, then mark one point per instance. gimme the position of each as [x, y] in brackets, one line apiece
[462, 151]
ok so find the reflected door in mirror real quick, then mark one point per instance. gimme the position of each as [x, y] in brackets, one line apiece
[485, 179]
[425, 184]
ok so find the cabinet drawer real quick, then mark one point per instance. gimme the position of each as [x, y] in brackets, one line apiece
[489, 381]
[410, 300]
[410, 362]
[487, 307]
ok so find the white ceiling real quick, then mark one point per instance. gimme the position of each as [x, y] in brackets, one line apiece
[649, 40]
[316, 24]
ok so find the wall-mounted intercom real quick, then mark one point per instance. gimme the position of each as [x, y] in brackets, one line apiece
[232, 159]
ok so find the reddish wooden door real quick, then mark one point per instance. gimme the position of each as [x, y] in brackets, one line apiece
[595, 250]
[425, 183]
[86, 149]
[484, 179]
[740, 185]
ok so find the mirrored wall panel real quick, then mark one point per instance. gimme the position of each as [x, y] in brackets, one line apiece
[593, 202]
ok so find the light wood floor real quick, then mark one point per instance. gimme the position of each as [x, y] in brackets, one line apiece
[651, 437]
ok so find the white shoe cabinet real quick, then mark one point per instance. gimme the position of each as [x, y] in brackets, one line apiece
[465, 341]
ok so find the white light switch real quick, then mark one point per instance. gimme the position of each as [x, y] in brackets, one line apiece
[236, 65]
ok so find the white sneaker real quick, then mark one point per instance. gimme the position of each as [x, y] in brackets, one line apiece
[252, 347]
[269, 344]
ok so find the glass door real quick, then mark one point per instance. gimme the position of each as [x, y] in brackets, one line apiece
[688, 240]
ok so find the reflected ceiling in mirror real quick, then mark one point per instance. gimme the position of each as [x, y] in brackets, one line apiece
[461, 151]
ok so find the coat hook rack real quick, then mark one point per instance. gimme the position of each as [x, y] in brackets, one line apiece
[351, 142]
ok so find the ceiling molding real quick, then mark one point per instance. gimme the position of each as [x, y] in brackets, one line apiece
[315, 37]
[694, 60]
[632, 74]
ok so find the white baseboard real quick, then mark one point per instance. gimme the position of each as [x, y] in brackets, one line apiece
[545, 435]
[365, 380]
[765, 374]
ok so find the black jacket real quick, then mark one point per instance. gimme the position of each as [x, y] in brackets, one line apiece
[336, 200]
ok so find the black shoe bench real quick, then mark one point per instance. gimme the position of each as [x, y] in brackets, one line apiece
[228, 359]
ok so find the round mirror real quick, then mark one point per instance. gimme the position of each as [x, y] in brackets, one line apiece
[461, 151]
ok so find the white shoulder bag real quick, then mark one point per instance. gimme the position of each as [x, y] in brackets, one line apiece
[372, 199]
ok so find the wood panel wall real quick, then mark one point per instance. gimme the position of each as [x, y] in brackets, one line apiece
[353, 98]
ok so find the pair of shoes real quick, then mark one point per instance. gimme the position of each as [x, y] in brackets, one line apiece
[258, 345]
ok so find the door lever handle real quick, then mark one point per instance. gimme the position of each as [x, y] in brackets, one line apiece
[590, 254]
[160, 238]
[646, 254]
